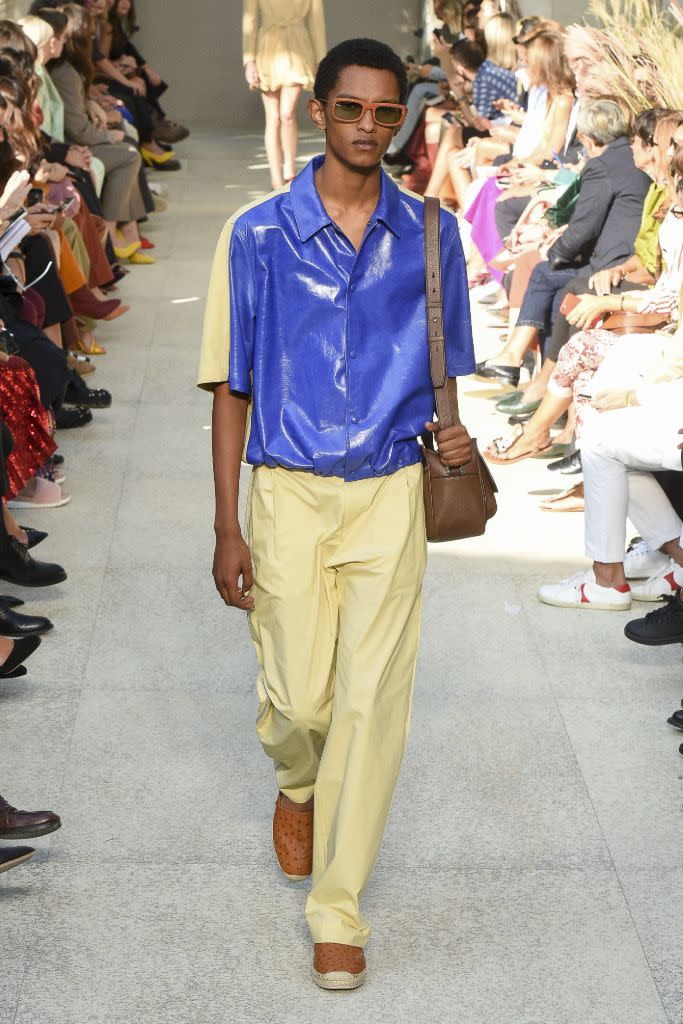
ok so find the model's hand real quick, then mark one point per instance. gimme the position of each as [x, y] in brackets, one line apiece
[455, 444]
[232, 561]
[251, 74]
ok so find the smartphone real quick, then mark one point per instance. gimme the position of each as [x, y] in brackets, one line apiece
[437, 32]
[63, 206]
[569, 302]
[34, 197]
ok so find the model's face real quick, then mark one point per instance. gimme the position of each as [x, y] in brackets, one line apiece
[123, 8]
[359, 145]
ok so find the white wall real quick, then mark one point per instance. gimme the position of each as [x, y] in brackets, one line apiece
[197, 44]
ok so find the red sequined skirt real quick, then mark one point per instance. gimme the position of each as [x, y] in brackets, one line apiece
[26, 417]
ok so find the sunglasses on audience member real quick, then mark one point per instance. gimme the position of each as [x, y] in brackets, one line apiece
[348, 111]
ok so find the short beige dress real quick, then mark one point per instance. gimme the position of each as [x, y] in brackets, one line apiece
[286, 38]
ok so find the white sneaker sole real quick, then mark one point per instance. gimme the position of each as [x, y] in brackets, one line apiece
[338, 981]
[18, 503]
[588, 606]
[650, 598]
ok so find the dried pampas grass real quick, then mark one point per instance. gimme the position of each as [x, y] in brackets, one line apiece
[634, 52]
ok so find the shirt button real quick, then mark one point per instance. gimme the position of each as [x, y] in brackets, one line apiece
[352, 355]
[354, 419]
[353, 287]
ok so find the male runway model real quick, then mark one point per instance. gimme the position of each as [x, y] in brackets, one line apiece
[317, 319]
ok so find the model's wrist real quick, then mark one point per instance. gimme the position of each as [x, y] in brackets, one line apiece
[229, 530]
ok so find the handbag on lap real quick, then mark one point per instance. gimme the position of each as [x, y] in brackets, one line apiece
[459, 501]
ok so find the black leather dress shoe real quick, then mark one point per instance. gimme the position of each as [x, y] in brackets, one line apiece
[16, 824]
[570, 465]
[15, 625]
[18, 566]
[21, 651]
[35, 537]
[11, 601]
[663, 626]
[676, 720]
[503, 374]
[11, 856]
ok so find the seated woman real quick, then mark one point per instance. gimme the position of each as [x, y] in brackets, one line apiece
[477, 84]
[499, 201]
[544, 128]
[123, 22]
[600, 234]
[122, 202]
[123, 82]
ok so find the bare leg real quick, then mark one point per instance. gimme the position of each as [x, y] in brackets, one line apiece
[289, 97]
[536, 433]
[521, 339]
[609, 574]
[54, 333]
[271, 105]
[451, 140]
[12, 526]
[461, 179]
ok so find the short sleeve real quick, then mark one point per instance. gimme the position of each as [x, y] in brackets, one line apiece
[215, 352]
[460, 360]
[230, 318]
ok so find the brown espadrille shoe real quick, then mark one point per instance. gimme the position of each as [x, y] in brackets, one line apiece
[337, 966]
[293, 840]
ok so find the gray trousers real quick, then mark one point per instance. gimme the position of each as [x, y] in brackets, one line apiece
[121, 198]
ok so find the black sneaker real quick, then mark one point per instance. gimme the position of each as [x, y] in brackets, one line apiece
[663, 626]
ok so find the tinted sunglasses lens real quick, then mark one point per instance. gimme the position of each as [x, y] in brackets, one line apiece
[388, 115]
[348, 110]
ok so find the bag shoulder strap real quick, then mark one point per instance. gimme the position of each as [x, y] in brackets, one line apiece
[445, 392]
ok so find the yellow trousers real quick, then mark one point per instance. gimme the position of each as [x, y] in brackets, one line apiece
[338, 571]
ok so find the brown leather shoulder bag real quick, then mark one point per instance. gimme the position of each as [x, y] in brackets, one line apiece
[458, 501]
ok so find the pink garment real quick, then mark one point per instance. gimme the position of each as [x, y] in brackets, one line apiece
[576, 366]
[482, 216]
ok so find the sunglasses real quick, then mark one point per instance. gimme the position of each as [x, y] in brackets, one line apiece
[387, 115]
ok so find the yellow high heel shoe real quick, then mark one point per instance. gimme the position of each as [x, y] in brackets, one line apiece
[125, 252]
[94, 350]
[156, 159]
[141, 259]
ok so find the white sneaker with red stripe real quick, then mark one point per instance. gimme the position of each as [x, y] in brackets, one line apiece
[641, 562]
[661, 584]
[581, 591]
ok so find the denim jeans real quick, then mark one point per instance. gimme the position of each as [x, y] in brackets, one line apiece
[542, 299]
[416, 101]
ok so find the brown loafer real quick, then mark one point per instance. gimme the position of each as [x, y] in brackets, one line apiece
[293, 840]
[337, 966]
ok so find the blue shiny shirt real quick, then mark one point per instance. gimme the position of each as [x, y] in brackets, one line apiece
[331, 343]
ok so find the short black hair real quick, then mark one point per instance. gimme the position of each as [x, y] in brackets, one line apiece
[468, 54]
[366, 53]
[645, 124]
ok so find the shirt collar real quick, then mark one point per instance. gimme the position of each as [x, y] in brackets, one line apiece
[311, 215]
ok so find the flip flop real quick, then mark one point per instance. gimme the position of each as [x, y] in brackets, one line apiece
[500, 445]
[571, 500]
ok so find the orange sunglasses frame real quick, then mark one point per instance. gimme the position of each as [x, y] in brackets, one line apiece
[366, 106]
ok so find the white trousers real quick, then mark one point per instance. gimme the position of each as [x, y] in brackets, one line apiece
[619, 451]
